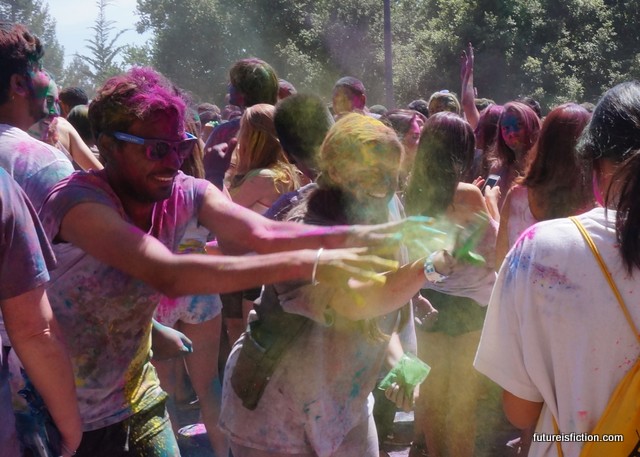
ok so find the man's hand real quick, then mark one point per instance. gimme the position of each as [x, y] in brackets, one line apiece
[416, 233]
[339, 266]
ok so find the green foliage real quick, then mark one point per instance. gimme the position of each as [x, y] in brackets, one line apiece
[101, 61]
[193, 43]
[554, 50]
[78, 74]
[137, 56]
[35, 15]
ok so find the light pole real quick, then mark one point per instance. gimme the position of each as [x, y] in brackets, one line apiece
[388, 58]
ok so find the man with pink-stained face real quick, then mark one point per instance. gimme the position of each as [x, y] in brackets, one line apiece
[116, 235]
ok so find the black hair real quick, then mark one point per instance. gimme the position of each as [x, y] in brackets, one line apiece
[20, 51]
[302, 121]
[73, 96]
[614, 134]
[420, 106]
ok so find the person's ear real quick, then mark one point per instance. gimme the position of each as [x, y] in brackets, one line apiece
[19, 85]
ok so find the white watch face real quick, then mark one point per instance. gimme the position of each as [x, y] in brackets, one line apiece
[430, 272]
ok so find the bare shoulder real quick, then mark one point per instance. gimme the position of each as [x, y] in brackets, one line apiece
[469, 196]
[261, 182]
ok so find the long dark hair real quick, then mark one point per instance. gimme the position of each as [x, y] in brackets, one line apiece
[558, 178]
[614, 134]
[445, 157]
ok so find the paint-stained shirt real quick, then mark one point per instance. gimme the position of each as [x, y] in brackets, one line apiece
[554, 331]
[35, 166]
[105, 313]
[320, 388]
[24, 258]
[190, 309]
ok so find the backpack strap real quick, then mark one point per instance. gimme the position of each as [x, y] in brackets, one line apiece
[556, 430]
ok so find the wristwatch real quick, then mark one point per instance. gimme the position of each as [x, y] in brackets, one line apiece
[430, 270]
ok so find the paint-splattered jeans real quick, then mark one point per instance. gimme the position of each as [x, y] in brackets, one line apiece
[146, 434]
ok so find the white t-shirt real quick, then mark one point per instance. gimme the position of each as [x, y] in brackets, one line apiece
[554, 332]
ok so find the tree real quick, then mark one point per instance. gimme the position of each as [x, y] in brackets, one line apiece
[35, 16]
[193, 43]
[196, 41]
[138, 56]
[554, 50]
[101, 62]
[78, 74]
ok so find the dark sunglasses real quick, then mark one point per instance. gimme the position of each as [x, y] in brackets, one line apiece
[159, 149]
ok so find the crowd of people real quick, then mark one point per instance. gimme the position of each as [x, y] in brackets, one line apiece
[283, 254]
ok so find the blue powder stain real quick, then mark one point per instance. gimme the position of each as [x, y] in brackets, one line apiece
[355, 390]
[516, 261]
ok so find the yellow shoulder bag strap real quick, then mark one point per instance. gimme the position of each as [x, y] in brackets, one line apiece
[622, 414]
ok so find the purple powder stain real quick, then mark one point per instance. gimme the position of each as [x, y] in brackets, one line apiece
[544, 276]
[549, 277]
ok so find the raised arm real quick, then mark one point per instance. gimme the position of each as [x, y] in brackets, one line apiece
[36, 339]
[468, 92]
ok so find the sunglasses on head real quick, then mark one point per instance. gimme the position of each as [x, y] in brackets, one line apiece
[159, 149]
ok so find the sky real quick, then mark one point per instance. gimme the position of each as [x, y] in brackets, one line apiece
[75, 17]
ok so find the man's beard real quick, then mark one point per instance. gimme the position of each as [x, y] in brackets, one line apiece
[37, 111]
[37, 107]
